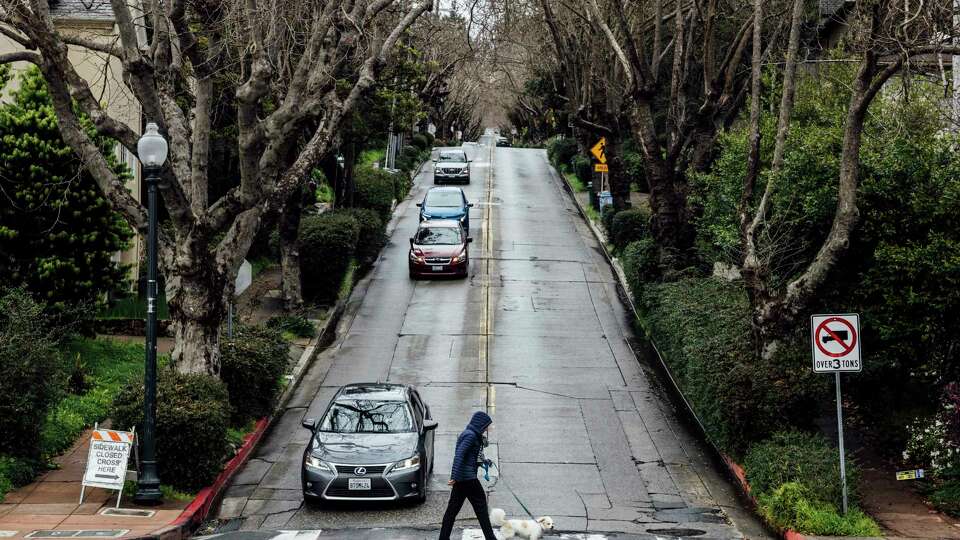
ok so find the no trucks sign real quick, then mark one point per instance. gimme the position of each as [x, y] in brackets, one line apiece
[836, 343]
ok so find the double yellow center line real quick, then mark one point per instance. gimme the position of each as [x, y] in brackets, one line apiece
[486, 322]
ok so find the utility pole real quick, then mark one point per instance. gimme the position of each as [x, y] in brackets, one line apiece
[955, 66]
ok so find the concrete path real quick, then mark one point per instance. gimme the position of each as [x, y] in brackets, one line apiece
[537, 337]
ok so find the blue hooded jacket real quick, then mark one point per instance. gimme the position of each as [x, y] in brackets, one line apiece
[469, 446]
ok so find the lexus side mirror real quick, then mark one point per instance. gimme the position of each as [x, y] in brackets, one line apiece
[469, 240]
[469, 205]
[434, 161]
[411, 242]
[419, 205]
[429, 425]
[309, 423]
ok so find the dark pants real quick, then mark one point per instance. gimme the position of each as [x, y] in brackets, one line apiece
[473, 490]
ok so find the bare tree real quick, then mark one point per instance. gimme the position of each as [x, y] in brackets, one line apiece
[298, 66]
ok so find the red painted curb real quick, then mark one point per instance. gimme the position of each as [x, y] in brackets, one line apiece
[199, 508]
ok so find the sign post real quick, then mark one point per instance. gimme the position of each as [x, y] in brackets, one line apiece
[107, 461]
[836, 349]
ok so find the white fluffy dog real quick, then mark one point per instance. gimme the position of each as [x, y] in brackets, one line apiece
[524, 528]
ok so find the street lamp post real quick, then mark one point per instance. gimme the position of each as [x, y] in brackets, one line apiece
[152, 150]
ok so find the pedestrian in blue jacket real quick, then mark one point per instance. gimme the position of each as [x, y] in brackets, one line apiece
[467, 457]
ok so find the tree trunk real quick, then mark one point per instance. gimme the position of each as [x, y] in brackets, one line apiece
[289, 230]
[619, 180]
[197, 310]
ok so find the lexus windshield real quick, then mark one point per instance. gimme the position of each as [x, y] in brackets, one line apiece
[362, 416]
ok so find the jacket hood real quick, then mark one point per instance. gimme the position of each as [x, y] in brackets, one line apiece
[364, 448]
[479, 422]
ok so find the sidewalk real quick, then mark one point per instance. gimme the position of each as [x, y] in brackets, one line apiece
[50, 506]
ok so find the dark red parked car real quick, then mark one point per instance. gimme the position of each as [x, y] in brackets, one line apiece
[439, 248]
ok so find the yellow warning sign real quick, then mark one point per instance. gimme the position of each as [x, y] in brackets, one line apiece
[601, 167]
[598, 150]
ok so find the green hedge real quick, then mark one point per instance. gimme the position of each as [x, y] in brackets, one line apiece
[628, 226]
[804, 458]
[15, 472]
[561, 150]
[252, 364]
[372, 233]
[420, 141]
[328, 243]
[640, 263]
[375, 189]
[30, 371]
[193, 412]
[702, 329]
[582, 166]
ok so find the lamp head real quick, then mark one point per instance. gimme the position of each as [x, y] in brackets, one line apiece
[152, 147]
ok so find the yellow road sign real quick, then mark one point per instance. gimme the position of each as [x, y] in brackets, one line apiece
[601, 167]
[599, 150]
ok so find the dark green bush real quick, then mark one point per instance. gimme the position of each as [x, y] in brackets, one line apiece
[372, 235]
[15, 472]
[701, 327]
[375, 189]
[804, 458]
[328, 243]
[606, 219]
[629, 226]
[430, 139]
[420, 141]
[30, 373]
[582, 167]
[193, 412]
[409, 158]
[252, 364]
[794, 506]
[640, 263]
[561, 151]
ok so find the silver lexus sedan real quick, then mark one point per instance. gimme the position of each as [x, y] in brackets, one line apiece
[373, 443]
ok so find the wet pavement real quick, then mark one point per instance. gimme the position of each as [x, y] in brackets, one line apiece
[537, 337]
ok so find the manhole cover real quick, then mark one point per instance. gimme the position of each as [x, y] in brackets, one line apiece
[86, 533]
[127, 512]
[677, 532]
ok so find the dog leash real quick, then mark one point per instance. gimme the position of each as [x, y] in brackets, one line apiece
[513, 493]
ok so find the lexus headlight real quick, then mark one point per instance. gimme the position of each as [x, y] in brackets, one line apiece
[408, 464]
[317, 464]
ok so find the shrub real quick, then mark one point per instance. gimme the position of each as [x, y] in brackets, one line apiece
[327, 245]
[297, 325]
[375, 189]
[14, 473]
[702, 329]
[561, 150]
[191, 432]
[372, 233]
[409, 158]
[252, 364]
[420, 141]
[792, 506]
[606, 218]
[804, 458]
[640, 263]
[582, 167]
[29, 373]
[430, 138]
[629, 226]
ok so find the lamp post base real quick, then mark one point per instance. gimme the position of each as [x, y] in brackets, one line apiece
[148, 488]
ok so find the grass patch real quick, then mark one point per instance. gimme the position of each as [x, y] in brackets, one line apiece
[346, 286]
[369, 157]
[574, 182]
[258, 265]
[135, 307]
[169, 493]
[107, 365]
[792, 506]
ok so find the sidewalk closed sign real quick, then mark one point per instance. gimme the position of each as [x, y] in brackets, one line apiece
[107, 459]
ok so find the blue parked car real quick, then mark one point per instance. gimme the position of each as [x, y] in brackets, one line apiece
[446, 203]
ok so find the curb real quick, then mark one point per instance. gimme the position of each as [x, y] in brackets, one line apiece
[199, 509]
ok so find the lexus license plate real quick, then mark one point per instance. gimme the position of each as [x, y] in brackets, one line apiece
[437, 268]
[358, 483]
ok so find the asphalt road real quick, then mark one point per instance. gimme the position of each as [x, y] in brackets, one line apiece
[538, 337]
